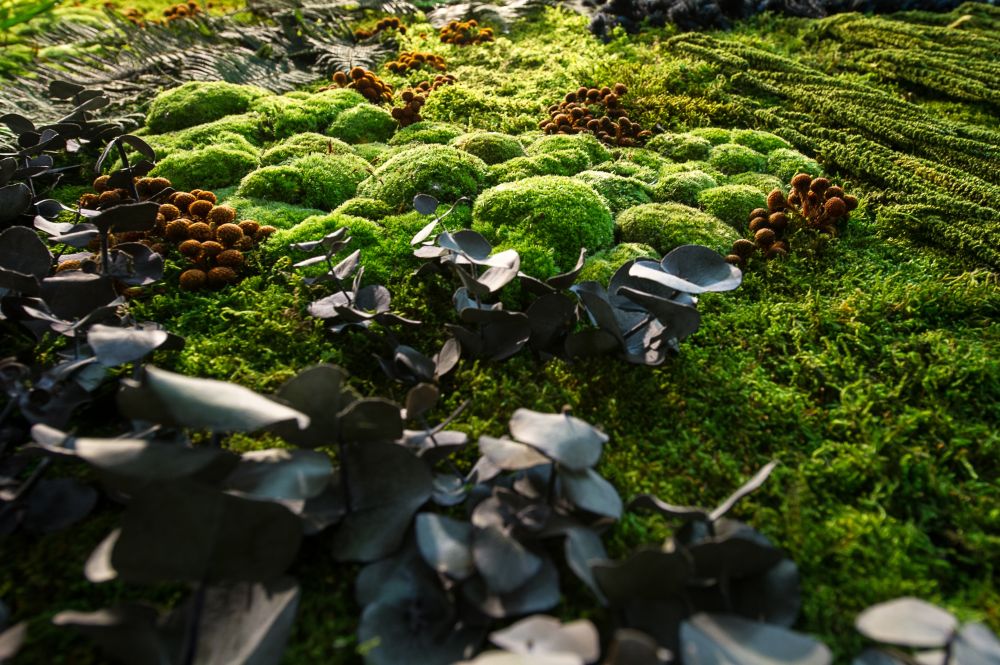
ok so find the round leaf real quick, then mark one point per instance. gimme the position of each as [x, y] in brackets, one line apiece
[569, 441]
[907, 622]
[709, 639]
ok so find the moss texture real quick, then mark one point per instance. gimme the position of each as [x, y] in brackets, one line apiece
[301, 145]
[680, 147]
[732, 203]
[196, 103]
[732, 158]
[439, 170]
[683, 187]
[315, 181]
[784, 163]
[619, 193]
[364, 123]
[664, 226]
[206, 168]
[762, 142]
[365, 208]
[550, 145]
[491, 147]
[567, 162]
[602, 266]
[426, 131]
[287, 115]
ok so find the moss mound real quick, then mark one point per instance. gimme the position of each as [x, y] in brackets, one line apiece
[559, 212]
[680, 147]
[365, 208]
[664, 226]
[196, 103]
[439, 170]
[763, 142]
[627, 169]
[732, 203]
[491, 147]
[289, 115]
[732, 158]
[364, 123]
[566, 162]
[547, 145]
[206, 168]
[316, 181]
[363, 232]
[619, 193]
[302, 145]
[683, 187]
[714, 135]
[784, 163]
[602, 265]
[371, 151]
[762, 181]
[426, 131]
[272, 213]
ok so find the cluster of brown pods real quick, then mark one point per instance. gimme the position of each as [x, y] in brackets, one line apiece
[367, 83]
[465, 33]
[813, 203]
[391, 23]
[182, 10]
[414, 98]
[597, 111]
[408, 60]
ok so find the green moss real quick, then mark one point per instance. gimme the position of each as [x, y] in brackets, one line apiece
[619, 193]
[372, 209]
[426, 131]
[547, 145]
[762, 142]
[286, 116]
[491, 147]
[460, 105]
[559, 162]
[714, 135]
[205, 168]
[364, 234]
[683, 187]
[602, 265]
[732, 203]
[680, 147]
[371, 151]
[442, 171]
[314, 181]
[641, 156]
[558, 212]
[537, 259]
[784, 163]
[762, 181]
[270, 213]
[301, 145]
[246, 125]
[196, 103]
[365, 123]
[733, 158]
[664, 226]
[627, 169]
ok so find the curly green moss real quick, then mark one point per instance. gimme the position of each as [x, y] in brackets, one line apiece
[286, 116]
[762, 142]
[560, 162]
[270, 213]
[537, 259]
[559, 212]
[680, 147]
[372, 209]
[439, 170]
[664, 226]
[762, 181]
[464, 106]
[205, 168]
[491, 147]
[733, 158]
[304, 144]
[683, 187]
[166, 145]
[602, 265]
[314, 181]
[365, 123]
[246, 125]
[618, 192]
[426, 131]
[364, 234]
[546, 145]
[784, 163]
[641, 156]
[714, 135]
[196, 103]
[732, 203]
[627, 170]
[371, 152]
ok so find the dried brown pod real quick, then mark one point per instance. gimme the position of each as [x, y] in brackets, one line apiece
[850, 201]
[801, 182]
[734, 260]
[199, 209]
[109, 198]
[776, 200]
[200, 231]
[764, 237]
[170, 212]
[90, 201]
[777, 221]
[193, 279]
[744, 248]
[101, 184]
[265, 232]
[228, 234]
[212, 248]
[758, 223]
[177, 230]
[249, 227]
[231, 258]
[182, 200]
[220, 276]
[835, 207]
[819, 185]
[220, 215]
[190, 248]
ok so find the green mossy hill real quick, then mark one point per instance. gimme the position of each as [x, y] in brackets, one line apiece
[763, 142]
[365, 123]
[270, 213]
[371, 209]
[206, 168]
[680, 147]
[732, 158]
[426, 131]
[732, 203]
[301, 145]
[196, 103]
[371, 151]
[683, 187]
[491, 147]
[463, 106]
[628, 169]
[289, 115]
[619, 193]
[784, 163]
[762, 181]
[558, 212]
[664, 226]
[602, 266]
[566, 162]
[714, 135]
[442, 171]
[315, 181]
[548, 145]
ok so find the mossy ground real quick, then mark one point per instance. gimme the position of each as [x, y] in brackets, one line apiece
[866, 365]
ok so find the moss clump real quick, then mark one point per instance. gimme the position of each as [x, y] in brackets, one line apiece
[619, 193]
[315, 181]
[302, 145]
[463, 106]
[561, 213]
[537, 259]
[371, 151]
[784, 163]
[287, 116]
[364, 234]
[491, 147]
[364, 123]
[680, 147]
[762, 142]
[627, 170]
[206, 168]
[714, 135]
[547, 145]
[602, 265]
[271, 213]
[733, 158]
[426, 132]
[439, 170]
[245, 125]
[560, 162]
[762, 181]
[683, 187]
[664, 226]
[732, 203]
[643, 157]
[365, 208]
[196, 103]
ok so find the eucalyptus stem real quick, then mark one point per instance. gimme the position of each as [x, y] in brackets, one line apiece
[127, 167]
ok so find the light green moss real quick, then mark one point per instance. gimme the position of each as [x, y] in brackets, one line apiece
[205, 168]
[365, 123]
[439, 170]
[426, 131]
[627, 169]
[270, 213]
[196, 103]
[371, 151]
[559, 212]
[664, 226]
[619, 193]
[683, 187]
[714, 135]
[762, 181]
[537, 259]
[602, 265]
[364, 234]
[246, 125]
[286, 116]
[732, 203]
[731, 158]
[546, 145]
[365, 208]
[315, 181]
[559, 162]
[680, 147]
[491, 147]
[762, 142]
[304, 144]
[461, 105]
[641, 156]
[784, 163]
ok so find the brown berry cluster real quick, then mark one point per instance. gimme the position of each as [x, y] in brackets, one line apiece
[409, 60]
[465, 33]
[597, 111]
[132, 15]
[414, 98]
[182, 10]
[104, 197]
[391, 23]
[367, 83]
[813, 203]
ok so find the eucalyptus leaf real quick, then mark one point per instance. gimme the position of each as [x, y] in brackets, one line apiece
[646, 574]
[56, 503]
[545, 635]
[709, 639]
[573, 443]
[503, 562]
[127, 217]
[425, 204]
[633, 647]
[510, 455]
[11, 640]
[371, 419]
[588, 490]
[582, 548]
[975, 645]
[72, 295]
[907, 622]
[446, 545]
[117, 346]
[22, 251]
[321, 393]
[127, 633]
[279, 474]
[539, 594]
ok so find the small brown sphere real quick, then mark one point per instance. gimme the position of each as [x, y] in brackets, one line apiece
[835, 207]
[357, 73]
[231, 258]
[802, 181]
[774, 252]
[264, 233]
[850, 201]
[190, 248]
[228, 234]
[220, 215]
[200, 231]
[212, 248]
[170, 212]
[200, 208]
[193, 279]
[158, 184]
[101, 184]
[182, 200]
[340, 78]
[794, 199]
[834, 190]
[819, 185]
[758, 212]
[758, 223]
[764, 237]
[108, 199]
[778, 221]
[776, 200]
[249, 227]
[160, 248]
[244, 244]
[744, 248]
[620, 89]
[177, 230]
[90, 201]
[71, 264]
[733, 259]
[220, 276]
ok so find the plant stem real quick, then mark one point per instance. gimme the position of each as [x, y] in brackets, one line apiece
[124, 158]
[194, 619]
